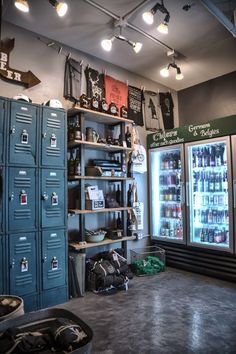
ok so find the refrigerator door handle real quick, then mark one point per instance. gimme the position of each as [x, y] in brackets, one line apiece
[182, 193]
[234, 187]
[187, 193]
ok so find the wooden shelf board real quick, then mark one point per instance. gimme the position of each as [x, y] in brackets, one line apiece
[75, 178]
[91, 145]
[99, 117]
[106, 241]
[105, 210]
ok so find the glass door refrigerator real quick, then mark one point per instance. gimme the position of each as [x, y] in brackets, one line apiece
[167, 193]
[209, 194]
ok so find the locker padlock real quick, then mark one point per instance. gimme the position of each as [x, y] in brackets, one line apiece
[13, 130]
[24, 137]
[54, 199]
[23, 198]
[24, 265]
[53, 140]
[54, 263]
[11, 197]
[44, 135]
[45, 196]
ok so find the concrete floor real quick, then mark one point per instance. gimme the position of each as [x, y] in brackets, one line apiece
[172, 312]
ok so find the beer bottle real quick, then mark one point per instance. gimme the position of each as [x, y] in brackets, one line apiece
[70, 132]
[118, 195]
[123, 111]
[128, 138]
[104, 106]
[130, 196]
[95, 103]
[77, 166]
[119, 225]
[84, 101]
[130, 167]
[71, 164]
[77, 131]
[113, 109]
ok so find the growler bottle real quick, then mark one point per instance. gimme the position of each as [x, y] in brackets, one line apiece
[104, 106]
[84, 101]
[123, 111]
[95, 103]
[113, 109]
[76, 130]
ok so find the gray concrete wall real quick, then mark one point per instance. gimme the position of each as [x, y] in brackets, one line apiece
[210, 100]
[48, 65]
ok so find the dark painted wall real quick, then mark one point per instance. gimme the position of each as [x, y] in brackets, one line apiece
[210, 100]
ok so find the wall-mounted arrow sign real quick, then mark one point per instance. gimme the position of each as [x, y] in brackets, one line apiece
[27, 79]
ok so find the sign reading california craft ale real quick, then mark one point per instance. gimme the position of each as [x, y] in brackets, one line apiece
[27, 79]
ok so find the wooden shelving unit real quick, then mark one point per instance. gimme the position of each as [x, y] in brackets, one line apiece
[75, 178]
[105, 210]
[91, 145]
[76, 246]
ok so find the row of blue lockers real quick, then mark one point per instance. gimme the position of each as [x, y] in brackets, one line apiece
[36, 266]
[31, 135]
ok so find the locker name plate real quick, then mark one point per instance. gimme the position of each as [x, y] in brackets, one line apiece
[53, 140]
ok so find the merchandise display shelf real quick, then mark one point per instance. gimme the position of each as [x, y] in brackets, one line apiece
[77, 246]
[105, 210]
[75, 178]
[92, 145]
[98, 117]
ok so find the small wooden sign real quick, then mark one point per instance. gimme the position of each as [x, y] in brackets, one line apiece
[27, 79]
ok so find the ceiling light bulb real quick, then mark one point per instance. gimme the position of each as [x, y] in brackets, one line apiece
[148, 17]
[163, 28]
[164, 72]
[22, 5]
[179, 76]
[61, 8]
[106, 44]
[137, 47]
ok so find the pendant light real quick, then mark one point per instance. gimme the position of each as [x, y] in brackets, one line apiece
[22, 5]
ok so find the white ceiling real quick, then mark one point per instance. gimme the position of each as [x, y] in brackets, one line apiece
[207, 49]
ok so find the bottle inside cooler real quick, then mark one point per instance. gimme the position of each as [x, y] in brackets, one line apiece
[209, 192]
[171, 223]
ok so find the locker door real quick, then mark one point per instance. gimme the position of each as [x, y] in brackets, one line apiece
[23, 263]
[1, 264]
[1, 198]
[54, 264]
[23, 134]
[53, 198]
[22, 199]
[53, 137]
[2, 119]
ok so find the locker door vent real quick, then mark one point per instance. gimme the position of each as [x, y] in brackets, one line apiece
[23, 118]
[26, 149]
[53, 213]
[23, 248]
[22, 182]
[50, 183]
[22, 280]
[22, 214]
[54, 274]
[53, 244]
[51, 151]
[53, 123]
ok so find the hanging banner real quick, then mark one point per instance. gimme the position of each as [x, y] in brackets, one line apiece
[27, 79]
[116, 91]
[95, 83]
[187, 133]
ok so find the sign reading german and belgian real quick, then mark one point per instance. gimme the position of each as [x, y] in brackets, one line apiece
[213, 129]
[27, 79]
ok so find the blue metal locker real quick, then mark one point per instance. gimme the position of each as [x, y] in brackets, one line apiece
[2, 135]
[2, 209]
[23, 263]
[22, 199]
[53, 198]
[23, 133]
[2, 272]
[53, 137]
[53, 259]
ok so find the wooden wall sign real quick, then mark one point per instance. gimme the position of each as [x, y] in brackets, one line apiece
[27, 79]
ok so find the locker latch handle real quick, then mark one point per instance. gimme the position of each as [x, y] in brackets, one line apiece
[45, 196]
[13, 130]
[44, 135]
[24, 265]
[11, 198]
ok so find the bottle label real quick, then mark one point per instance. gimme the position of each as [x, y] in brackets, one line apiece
[105, 107]
[113, 110]
[95, 104]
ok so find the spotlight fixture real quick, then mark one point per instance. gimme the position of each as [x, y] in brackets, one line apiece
[22, 5]
[148, 17]
[107, 43]
[165, 71]
[61, 7]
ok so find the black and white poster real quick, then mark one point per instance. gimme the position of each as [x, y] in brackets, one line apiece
[95, 83]
[167, 106]
[153, 114]
[72, 80]
[135, 100]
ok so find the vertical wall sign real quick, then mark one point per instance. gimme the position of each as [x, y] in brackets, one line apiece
[27, 79]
